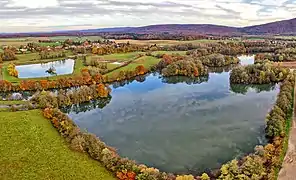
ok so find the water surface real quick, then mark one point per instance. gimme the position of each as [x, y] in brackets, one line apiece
[178, 124]
[39, 70]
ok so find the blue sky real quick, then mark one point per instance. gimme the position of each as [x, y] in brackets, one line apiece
[47, 15]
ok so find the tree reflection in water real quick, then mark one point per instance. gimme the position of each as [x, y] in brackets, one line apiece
[185, 79]
[83, 107]
[220, 70]
[118, 84]
[243, 88]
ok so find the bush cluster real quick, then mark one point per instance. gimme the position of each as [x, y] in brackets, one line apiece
[12, 70]
[188, 67]
[8, 55]
[218, 60]
[258, 74]
[181, 66]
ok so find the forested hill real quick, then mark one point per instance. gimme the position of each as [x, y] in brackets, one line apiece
[286, 27]
[279, 27]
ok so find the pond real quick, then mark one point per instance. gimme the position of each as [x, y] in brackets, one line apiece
[178, 124]
[39, 70]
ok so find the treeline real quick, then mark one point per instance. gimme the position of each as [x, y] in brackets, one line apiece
[153, 36]
[225, 48]
[266, 162]
[277, 56]
[118, 48]
[65, 98]
[51, 55]
[64, 82]
[262, 46]
[258, 74]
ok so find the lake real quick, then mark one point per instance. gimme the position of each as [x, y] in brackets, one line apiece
[178, 124]
[39, 70]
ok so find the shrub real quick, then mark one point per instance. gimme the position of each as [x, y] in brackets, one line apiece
[12, 70]
[126, 175]
[185, 177]
[204, 176]
[78, 143]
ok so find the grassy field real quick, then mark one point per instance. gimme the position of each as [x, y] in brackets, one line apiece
[146, 61]
[24, 41]
[31, 148]
[45, 44]
[12, 102]
[75, 38]
[133, 55]
[119, 57]
[14, 42]
[169, 52]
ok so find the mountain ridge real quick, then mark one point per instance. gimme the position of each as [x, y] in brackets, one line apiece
[284, 27]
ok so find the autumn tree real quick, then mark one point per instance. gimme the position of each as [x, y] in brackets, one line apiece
[12, 70]
[8, 55]
[140, 70]
[102, 91]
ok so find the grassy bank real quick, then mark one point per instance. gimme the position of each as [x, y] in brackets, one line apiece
[31, 148]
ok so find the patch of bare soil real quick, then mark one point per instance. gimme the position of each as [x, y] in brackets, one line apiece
[291, 64]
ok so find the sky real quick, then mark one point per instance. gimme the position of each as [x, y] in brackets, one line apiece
[50, 15]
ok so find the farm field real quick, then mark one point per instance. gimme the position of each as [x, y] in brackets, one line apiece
[32, 149]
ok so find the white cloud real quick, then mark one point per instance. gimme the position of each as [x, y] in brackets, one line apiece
[33, 3]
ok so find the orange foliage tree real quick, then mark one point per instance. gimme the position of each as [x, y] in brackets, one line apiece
[102, 90]
[140, 70]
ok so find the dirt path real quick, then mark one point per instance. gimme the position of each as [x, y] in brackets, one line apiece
[291, 64]
[288, 171]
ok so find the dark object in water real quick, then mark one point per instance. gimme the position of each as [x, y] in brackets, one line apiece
[51, 70]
